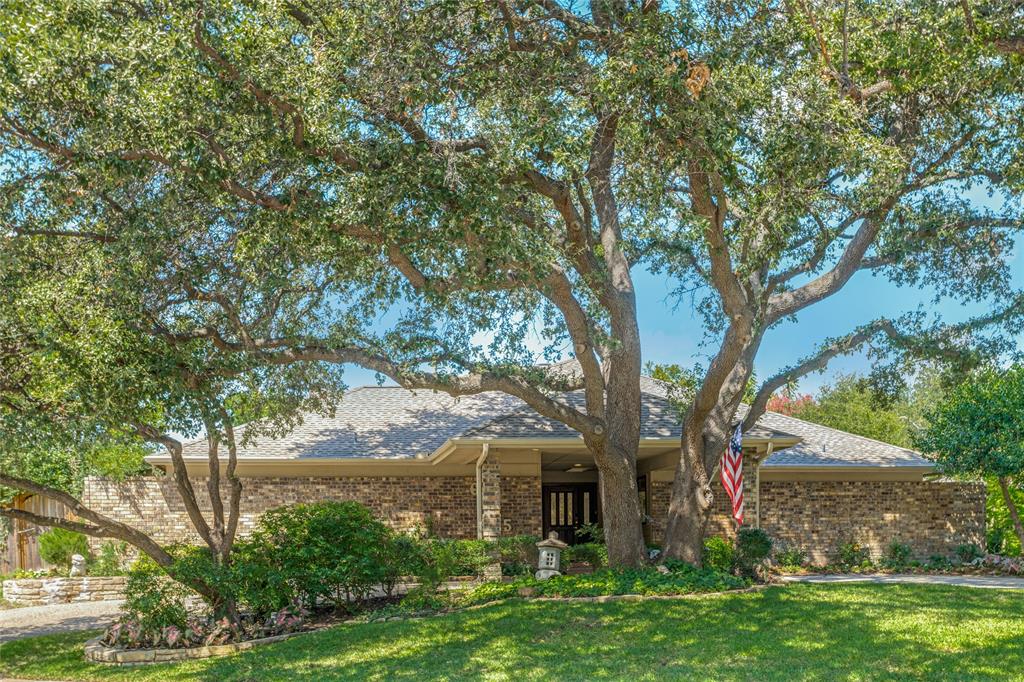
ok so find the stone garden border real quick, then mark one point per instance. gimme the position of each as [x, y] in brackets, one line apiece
[45, 591]
[98, 652]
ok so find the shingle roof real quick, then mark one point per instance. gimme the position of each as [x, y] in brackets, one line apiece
[823, 446]
[396, 423]
[379, 422]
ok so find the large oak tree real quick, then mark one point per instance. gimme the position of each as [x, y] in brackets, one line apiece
[411, 177]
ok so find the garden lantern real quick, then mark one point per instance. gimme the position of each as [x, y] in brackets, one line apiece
[549, 560]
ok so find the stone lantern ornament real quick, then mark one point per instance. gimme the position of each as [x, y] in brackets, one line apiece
[549, 561]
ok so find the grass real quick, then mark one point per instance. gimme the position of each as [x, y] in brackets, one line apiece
[802, 632]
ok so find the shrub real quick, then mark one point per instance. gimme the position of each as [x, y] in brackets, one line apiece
[468, 557]
[517, 554]
[152, 601]
[753, 547]
[995, 540]
[937, 562]
[719, 555]
[897, 555]
[588, 553]
[851, 554]
[110, 560]
[56, 546]
[590, 533]
[400, 557]
[791, 557]
[968, 553]
[306, 552]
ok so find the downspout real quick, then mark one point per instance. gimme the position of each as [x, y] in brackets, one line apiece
[480, 491]
[757, 484]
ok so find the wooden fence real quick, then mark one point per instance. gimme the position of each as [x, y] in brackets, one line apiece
[22, 547]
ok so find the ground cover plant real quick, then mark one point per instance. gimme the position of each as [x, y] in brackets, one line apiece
[807, 632]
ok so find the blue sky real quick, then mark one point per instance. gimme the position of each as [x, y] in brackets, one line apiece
[673, 334]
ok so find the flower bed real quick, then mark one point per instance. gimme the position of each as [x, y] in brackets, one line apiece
[43, 591]
[990, 564]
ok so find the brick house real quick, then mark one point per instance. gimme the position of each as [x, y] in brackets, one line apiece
[487, 465]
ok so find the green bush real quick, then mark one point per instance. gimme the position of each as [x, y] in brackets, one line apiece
[753, 547]
[897, 555]
[306, 552]
[592, 553]
[402, 556]
[791, 557]
[719, 554]
[56, 546]
[110, 560]
[995, 540]
[937, 562]
[468, 557]
[851, 554]
[590, 532]
[518, 554]
[153, 600]
[968, 553]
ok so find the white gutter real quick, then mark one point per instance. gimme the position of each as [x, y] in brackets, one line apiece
[480, 491]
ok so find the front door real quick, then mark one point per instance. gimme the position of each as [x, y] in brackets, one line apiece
[567, 506]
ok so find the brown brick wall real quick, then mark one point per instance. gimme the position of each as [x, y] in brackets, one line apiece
[720, 523]
[521, 505]
[932, 517]
[446, 504]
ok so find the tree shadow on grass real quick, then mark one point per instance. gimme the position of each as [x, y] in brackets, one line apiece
[862, 632]
[856, 632]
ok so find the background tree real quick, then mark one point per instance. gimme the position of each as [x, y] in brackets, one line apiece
[850, 405]
[978, 430]
[409, 178]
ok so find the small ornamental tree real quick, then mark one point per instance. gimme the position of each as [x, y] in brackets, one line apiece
[79, 373]
[979, 430]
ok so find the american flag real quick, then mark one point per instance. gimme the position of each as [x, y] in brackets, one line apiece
[732, 474]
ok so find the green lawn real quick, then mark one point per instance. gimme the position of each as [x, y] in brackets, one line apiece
[827, 632]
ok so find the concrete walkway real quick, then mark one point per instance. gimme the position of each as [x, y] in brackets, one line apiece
[989, 581]
[31, 621]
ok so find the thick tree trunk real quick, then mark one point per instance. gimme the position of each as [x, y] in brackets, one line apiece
[690, 506]
[706, 431]
[620, 505]
[1018, 527]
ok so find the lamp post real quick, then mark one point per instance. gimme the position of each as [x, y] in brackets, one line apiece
[549, 560]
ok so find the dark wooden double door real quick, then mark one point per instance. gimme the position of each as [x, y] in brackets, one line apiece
[567, 506]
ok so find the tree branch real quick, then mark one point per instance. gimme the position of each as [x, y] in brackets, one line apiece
[101, 526]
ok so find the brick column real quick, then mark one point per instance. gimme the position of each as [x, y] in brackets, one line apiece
[490, 498]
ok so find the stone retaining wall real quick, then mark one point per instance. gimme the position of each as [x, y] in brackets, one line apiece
[42, 591]
[97, 652]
